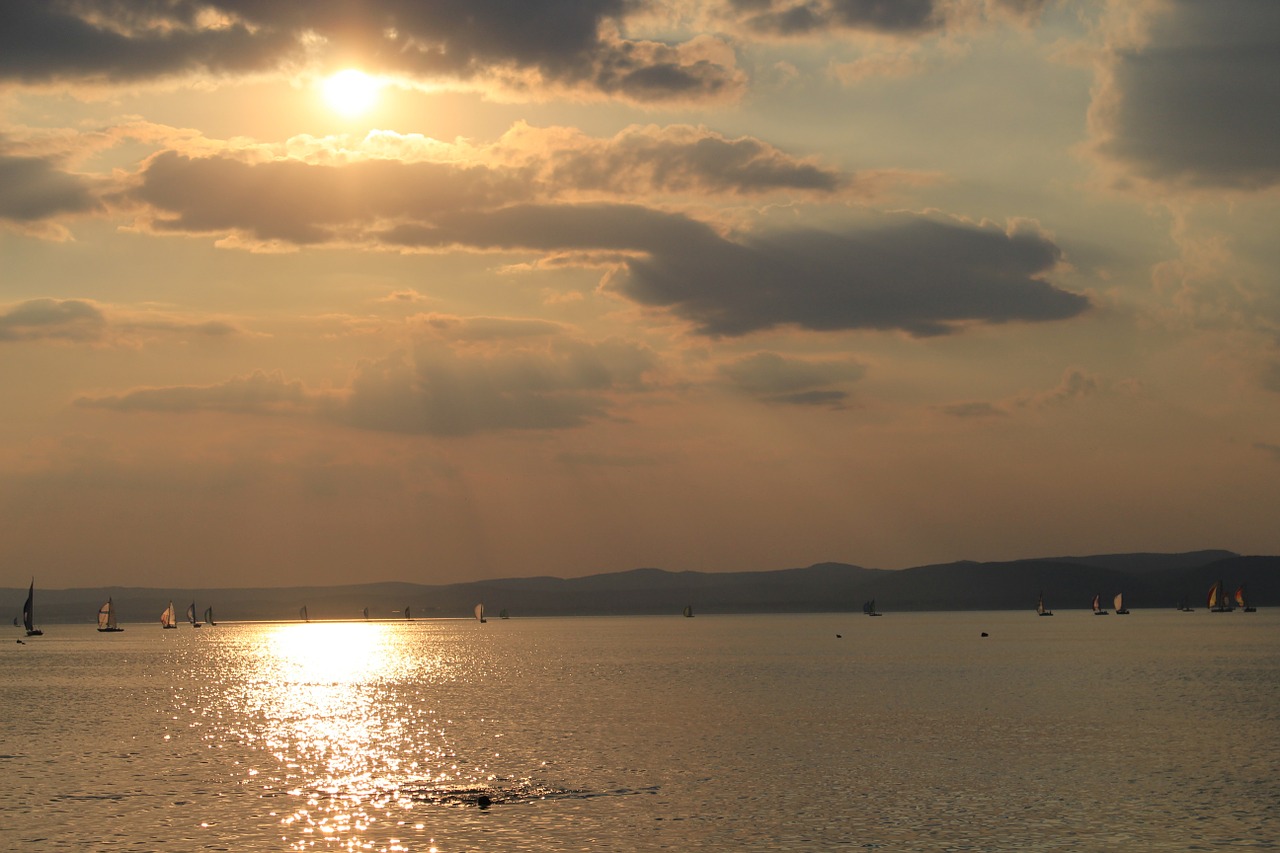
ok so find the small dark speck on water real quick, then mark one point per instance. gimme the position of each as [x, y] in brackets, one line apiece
[483, 802]
[984, 633]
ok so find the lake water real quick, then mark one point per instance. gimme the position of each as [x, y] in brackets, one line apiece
[1154, 731]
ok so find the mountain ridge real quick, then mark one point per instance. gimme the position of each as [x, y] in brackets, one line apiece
[1147, 580]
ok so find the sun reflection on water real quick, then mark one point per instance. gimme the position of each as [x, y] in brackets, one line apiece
[345, 711]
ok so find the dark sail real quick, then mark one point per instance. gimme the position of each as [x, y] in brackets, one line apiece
[26, 608]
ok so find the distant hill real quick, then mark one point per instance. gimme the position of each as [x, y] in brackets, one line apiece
[1147, 581]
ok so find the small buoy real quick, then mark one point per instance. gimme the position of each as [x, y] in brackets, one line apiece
[837, 637]
[984, 633]
[483, 802]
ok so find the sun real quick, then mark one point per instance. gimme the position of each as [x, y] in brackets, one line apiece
[351, 92]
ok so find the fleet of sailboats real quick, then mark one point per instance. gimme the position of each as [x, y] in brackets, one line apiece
[1218, 601]
[107, 618]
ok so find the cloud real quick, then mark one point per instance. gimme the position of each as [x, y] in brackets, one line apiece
[973, 409]
[327, 193]
[76, 320]
[1075, 384]
[926, 276]
[465, 376]
[922, 276]
[258, 393]
[790, 18]
[1194, 103]
[526, 46]
[673, 159]
[84, 321]
[806, 382]
[34, 189]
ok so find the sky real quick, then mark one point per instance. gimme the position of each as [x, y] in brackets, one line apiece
[325, 292]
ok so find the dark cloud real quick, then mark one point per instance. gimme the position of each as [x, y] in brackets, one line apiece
[805, 382]
[308, 203]
[33, 189]
[123, 42]
[1197, 104]
[303, 203]
[923, 276]
[531, 43]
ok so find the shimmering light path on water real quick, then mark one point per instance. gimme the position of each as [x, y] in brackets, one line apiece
[1156, 731]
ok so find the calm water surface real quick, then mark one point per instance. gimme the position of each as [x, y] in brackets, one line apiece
[1155, 731]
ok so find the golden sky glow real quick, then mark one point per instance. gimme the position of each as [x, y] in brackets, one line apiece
[712, 286]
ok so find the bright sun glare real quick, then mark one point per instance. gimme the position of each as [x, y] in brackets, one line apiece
[351, 92]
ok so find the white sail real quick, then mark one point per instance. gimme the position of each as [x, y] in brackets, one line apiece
[480, 612]
[302, 614]
[107, 617]
[167, 619]
[1119, 601]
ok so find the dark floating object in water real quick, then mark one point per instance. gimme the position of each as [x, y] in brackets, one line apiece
[838, 636]
[984, 633]
[483, 802]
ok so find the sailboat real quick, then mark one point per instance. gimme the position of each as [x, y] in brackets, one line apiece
[1184, 606]
[191, 615]
[1217, 602]
[107, 618]
[366, 614]
[502, 614]
[208, 616]
[688, 611]
[167, 618]
[406, 613]
[869, 608]
[1097, 608]
[480, 613]
[302, 614]
[28, 613]
[1240, 600]
[1040, 611]
[1119, 605]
